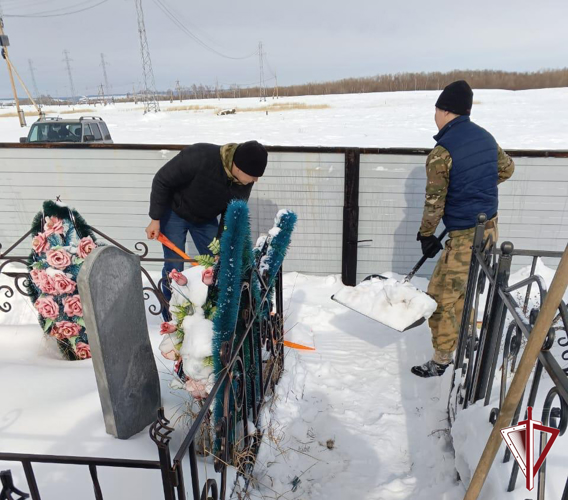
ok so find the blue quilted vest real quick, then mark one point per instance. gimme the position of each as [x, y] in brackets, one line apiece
[474, 173]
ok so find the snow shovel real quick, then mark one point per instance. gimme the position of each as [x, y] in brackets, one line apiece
[407, 278]
[414, 270]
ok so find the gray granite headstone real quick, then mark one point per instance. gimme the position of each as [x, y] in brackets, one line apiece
[110, 286]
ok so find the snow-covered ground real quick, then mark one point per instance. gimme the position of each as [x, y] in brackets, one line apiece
[350, 420]
[349, 417]
[530, 119]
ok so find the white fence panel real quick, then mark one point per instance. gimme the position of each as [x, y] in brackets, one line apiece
[111, 189]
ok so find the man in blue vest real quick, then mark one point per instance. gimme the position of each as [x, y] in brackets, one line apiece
[463, 172]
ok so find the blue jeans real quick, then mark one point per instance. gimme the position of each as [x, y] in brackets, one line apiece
[175, 229]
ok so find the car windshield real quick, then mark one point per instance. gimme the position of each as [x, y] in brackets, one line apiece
[55, 132]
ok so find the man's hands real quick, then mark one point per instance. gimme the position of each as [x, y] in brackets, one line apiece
[430, 245]
[153, 230]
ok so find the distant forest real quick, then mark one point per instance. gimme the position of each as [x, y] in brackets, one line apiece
[485, 79]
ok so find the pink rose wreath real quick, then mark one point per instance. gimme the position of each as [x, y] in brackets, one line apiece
[61, 241]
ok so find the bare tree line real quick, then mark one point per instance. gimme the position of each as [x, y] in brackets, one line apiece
[478, 79]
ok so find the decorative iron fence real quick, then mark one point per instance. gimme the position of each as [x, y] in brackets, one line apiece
[8, 258]
[262, 340]
[507, 322]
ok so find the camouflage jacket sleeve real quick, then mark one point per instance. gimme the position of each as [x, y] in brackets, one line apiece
[438, 167]
[505, 164]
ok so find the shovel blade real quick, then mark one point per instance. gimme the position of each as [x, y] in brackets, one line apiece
[376, 276]
[418, 322]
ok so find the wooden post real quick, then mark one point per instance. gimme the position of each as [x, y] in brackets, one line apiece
[350, 218]
[528, 360]
[7, 59]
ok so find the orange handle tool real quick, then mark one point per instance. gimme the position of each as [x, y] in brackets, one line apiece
[300, 347]
[167, 243]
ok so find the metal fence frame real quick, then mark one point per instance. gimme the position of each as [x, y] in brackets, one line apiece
[494, 267]
[265, 333]
[477, 355]
[350, 238]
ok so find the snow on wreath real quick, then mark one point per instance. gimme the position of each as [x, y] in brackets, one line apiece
[61, 240]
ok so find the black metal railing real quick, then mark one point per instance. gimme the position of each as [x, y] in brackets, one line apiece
[507, 322]
[21, 277]
[261, 336]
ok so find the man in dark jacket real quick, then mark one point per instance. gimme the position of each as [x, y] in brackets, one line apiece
[463, 172]
[191, 190]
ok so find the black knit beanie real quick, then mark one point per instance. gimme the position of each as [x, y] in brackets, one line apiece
[251, 158]
[456, 98]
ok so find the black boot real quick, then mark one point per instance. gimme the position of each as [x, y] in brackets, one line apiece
[429, 369]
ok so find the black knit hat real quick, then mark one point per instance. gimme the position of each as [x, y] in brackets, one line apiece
[456, 98]
[251, 158]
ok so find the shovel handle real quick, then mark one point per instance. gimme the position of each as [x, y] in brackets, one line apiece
[164, 240]
[424, 258]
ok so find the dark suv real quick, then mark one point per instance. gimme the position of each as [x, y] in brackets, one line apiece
[84, 129]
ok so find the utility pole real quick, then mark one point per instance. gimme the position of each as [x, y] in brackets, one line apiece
[275, 91]
[103, 64]
[101, 96]
[217, 88]
[262, 90]
[34, 83]
[149, 91]
[5, 43]
[178, 88]
[68, 64]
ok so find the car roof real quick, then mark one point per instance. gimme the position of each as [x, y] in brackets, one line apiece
[62, 121]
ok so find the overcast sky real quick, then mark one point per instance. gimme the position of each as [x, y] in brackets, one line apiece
[304, 40]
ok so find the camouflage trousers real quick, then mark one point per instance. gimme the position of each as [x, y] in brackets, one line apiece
[447, 287]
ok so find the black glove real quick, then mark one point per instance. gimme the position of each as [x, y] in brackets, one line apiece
[430, 245]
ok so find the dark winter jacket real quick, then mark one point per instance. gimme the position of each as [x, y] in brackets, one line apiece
[195, 186]
[474, 174]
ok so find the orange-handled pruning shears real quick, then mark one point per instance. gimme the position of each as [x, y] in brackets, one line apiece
[167, 243]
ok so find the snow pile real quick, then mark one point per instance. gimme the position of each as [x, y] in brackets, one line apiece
[197, 346]
[389, 301]
[545, 272]
[192, 340]
[195, 291]
[542, 270]
[470, 433]
[472, 428]
[350, 420]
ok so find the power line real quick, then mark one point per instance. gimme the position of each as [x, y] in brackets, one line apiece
[56, 13]
[178, 88]
[25, 3]
[149, 92]
[268, 64]
[191, 35]
[262, 86]
[189, 25]
[103, 64]
[252, 84]
[34, 83]
[68, 64]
